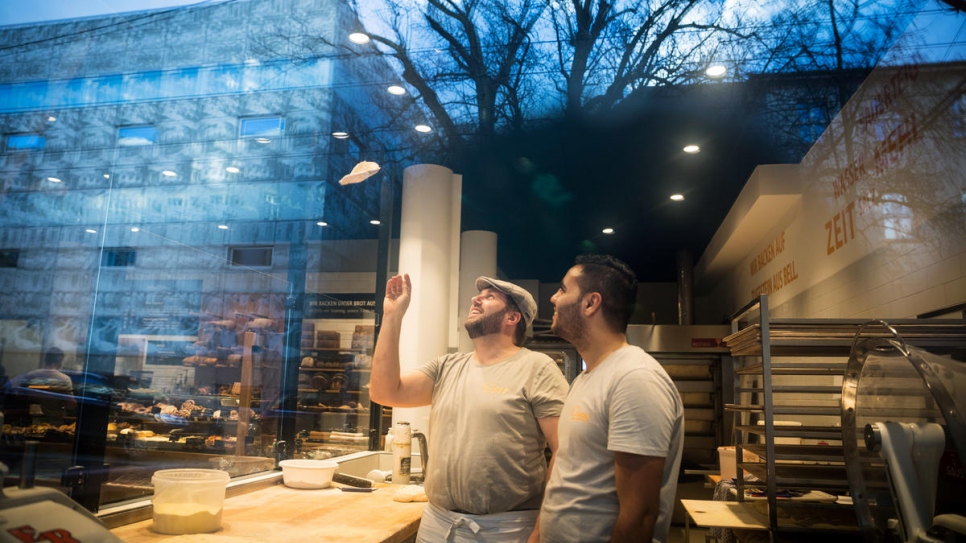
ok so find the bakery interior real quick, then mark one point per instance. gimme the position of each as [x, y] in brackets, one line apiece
[202, 203]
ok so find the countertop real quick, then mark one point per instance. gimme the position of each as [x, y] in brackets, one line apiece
[282, 514]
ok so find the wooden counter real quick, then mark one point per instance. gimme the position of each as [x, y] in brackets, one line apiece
[282, 514]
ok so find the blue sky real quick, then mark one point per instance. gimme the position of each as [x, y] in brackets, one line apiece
[31, 11]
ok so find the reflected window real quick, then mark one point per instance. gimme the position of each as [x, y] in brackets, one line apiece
[118, 257]
[897, 217]
[9, 258]
[23, 142]
[252, 257]
[129, 136]
[261, 127]
[811, 122]
[959, 117]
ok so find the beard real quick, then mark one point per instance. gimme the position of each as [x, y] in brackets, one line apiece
[485, 325]
[567, 323]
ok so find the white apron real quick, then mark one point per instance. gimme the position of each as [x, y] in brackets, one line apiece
[439, 525]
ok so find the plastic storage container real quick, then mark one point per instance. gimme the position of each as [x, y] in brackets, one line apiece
[188, 501]
[304, 473]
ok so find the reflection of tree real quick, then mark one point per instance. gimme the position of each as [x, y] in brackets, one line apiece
[606, 50]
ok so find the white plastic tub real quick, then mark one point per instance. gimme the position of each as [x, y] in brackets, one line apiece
[300, 473]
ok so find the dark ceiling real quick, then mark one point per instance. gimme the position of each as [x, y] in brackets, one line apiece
[549, 193]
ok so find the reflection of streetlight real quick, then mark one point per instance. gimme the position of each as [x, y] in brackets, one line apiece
[375, 222]
[169, 173]
[691, 149]
[322, 223]
[358, 37]
[677, 197]
[232, 169]
[340, 135]
[716, 70]
[423, 128]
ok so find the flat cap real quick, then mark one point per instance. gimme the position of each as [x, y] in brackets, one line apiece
[519, 295]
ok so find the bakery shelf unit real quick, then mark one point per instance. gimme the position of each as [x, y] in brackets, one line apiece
[788, 412]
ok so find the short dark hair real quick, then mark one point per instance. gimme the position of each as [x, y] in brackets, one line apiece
[615, 282]
[54, 357]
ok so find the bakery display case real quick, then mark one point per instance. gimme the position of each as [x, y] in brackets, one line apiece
[213, 400]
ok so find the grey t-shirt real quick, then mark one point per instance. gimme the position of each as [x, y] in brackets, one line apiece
[627, 404]
[486, 449]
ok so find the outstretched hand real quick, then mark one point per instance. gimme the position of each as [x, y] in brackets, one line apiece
[398, 294]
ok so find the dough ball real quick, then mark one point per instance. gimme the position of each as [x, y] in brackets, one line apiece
[410, 493]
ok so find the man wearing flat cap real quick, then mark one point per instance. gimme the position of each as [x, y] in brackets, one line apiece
[493, 413]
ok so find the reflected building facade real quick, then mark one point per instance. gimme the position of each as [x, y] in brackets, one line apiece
[171, 219]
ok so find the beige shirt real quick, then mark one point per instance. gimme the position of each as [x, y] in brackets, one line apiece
[486, 449]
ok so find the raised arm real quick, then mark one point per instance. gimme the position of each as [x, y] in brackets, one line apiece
[386, 385]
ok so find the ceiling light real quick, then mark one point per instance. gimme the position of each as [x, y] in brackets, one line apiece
[169, 173]
[423, 128]
[232, 169]
[53, 179]
[91, 231]
[51, 119]
[608, 230]
[396, 89]
[716, 70]
[691, 149]
[263, 140]
[135, 229]
[358, 37]
[340, 135]
[375, 222]
[677, 197]
[107, 176]
[223, 227]
[322, 223]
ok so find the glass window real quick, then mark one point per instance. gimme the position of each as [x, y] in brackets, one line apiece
[262, 127]
[137, 135]
[20, 142]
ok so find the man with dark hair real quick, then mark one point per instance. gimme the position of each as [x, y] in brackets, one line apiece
[622, 430]
[493, 413]
[48, 376]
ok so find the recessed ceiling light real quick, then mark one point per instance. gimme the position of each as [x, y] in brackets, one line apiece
[263, 140]
[691, 149]
[107, 176]
[223, 227]
[169, 173]
[322, 223]
[677, 197]
[53, 179]
[375, 222]
[396, 89]
[716, 70]
[135, 229]
[340, 135]
[232, 169]
[423, 128]
[608, 230]
[91, 231]
[51, 119]
[358, 37]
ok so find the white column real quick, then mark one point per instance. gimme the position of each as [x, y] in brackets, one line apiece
[477, 257]
[425, 253]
